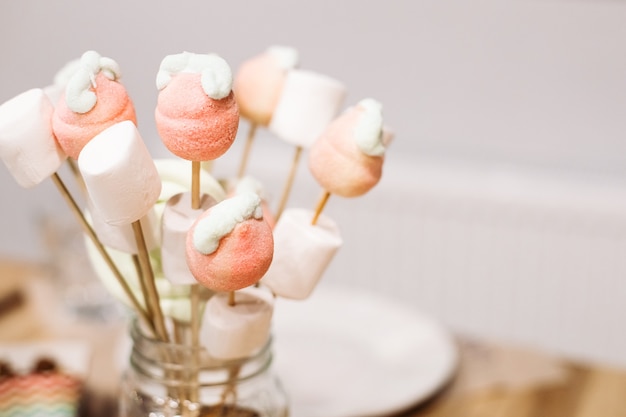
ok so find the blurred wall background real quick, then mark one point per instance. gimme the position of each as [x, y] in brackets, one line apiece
[502, 209]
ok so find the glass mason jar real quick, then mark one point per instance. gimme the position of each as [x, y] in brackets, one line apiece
[176, 380]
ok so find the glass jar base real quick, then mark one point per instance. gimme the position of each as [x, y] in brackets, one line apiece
[160, 407]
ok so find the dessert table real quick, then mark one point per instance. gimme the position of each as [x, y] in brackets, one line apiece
[492, 378]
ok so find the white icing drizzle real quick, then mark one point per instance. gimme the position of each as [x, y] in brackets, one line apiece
[78, 94]
[368, 131]
[223, 219]
[216, 76]
[286, 56]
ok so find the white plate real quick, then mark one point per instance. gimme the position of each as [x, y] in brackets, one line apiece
[346, 353]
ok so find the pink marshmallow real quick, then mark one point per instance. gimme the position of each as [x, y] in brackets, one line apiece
[243, 254]
[74, 130]
[259, 83]
[192, 125]
[337, 162]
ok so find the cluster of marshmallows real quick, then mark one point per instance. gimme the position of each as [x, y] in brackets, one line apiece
[225, 240]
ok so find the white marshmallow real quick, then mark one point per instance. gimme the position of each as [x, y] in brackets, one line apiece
[122, 237]
[27, 146]
[178, 217]
[302, 252]
[233, 332]
[122, 181]
[308, 103]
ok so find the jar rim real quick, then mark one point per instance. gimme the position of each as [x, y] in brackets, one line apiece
[162, 366]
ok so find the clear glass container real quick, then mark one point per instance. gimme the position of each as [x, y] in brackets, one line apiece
[172, 380]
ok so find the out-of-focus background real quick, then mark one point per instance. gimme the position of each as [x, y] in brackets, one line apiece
[502, 209]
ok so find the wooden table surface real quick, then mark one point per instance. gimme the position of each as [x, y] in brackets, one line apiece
[504, 381]
[493, 379]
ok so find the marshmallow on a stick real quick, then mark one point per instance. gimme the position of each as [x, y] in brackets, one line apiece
[123, 185]
[120, 175]
[259, 83]
[178, 217]
[308, 103]
[302, 252]
[196, 114]
[232, 332]
[30, 151]
[347, 158]
[93, 100]
[230, 246]
[27, 146]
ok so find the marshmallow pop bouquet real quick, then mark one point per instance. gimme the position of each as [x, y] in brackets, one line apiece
[199, 262]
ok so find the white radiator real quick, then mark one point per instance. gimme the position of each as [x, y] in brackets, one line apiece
[518, 256]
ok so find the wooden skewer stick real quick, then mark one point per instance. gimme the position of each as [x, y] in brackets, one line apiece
[289, 183]
[230, 391]
[178, 356]
[320, 207]
[194, 302]
[231, 299]
[152, 296]
[101, 249]
[246, 150]
[142, 284]
[195, 339]
[195, 185]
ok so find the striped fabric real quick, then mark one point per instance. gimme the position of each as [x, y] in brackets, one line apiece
[39, 395]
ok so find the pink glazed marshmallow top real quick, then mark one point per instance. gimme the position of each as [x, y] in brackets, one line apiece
[196, 114]
[260, 80]
[347, 158]
[93, 101]
[230, 246]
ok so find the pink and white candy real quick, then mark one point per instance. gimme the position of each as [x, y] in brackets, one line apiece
[196, 115]
[93, 100]
[347, 158]
[230, 246]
